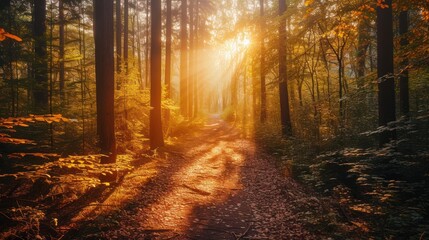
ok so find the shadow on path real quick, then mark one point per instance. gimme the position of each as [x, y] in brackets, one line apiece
[212, 186]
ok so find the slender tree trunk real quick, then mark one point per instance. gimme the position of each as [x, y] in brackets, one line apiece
[147, 44]
[263, 86]
[196, 59]
[118, 38]
[6, 15]
[61, 50]
[283, 84]
[386, 84]
[104, 71]
[126, 20]
[156, 135]
[139, 53]
[40, 87]
[168, 34]
[184, 59]
[51, 67]
[82, 73]
[361, 52]
[133, 36]
[404, 98]
[191, 60]
[340, 88]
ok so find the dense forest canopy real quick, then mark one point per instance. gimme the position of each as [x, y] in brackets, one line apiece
[335, 91]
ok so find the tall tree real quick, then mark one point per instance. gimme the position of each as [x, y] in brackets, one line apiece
[147, 44]
[118, 36]
[191, 59]
[404, 102]
[283, 85]
[104, 71]
[386, 84]
[362, 47]
[61, 74]
[263, 86]
[184, 59]
[126, 20]
[168, 32]
[40, 87]
[196, 59]
[155, 128]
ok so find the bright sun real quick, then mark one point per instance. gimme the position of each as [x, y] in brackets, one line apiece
[246, 42]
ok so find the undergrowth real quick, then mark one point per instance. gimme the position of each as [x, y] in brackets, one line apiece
[380, 193]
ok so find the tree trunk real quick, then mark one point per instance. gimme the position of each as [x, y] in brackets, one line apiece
[104, 71]
[196, 59]
[361, 52]
[184, 60]
[263, 87]
[139, 53]
[191, 59]
[82, 75]
[156, 135]
[118, 38]
[386, 84]
[61, 51]
[404, 98]
[283, 86]
[40, 87]
[126, 20]
[147, 44]
[168, 32]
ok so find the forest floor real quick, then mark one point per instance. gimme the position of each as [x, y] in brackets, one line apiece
[213, 184]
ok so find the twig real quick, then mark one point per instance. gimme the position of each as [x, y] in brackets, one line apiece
[240, 236]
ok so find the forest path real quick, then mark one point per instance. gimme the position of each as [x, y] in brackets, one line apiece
[214, 185]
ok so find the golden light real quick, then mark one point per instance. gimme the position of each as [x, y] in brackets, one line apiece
[246, 42]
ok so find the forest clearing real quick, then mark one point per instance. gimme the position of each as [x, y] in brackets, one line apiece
[214, 119]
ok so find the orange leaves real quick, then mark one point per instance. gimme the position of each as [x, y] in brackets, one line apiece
[12, 122]
[22, 121]
[425, 14]
[382, 4]
[15, 141]
[4, 35]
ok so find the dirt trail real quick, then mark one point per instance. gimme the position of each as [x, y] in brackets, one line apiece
[215, 186]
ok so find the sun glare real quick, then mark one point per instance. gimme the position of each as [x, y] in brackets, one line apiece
[246, 42]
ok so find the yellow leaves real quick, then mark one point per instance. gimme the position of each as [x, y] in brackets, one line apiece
[4, 35]
[308, 2]
[363, 208]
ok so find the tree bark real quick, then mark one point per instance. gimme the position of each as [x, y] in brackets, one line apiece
[104, 71]
[283, 86]
[404, 98]
[61, 51]
[118, 37]
[263, 116]
[40, 87]
[184, 60]
[126, 20]
[156, 135]
[168, 34]
[386, 84]
[191, 59]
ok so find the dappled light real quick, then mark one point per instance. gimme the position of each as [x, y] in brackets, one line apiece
[214, 119]
[210, 179]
